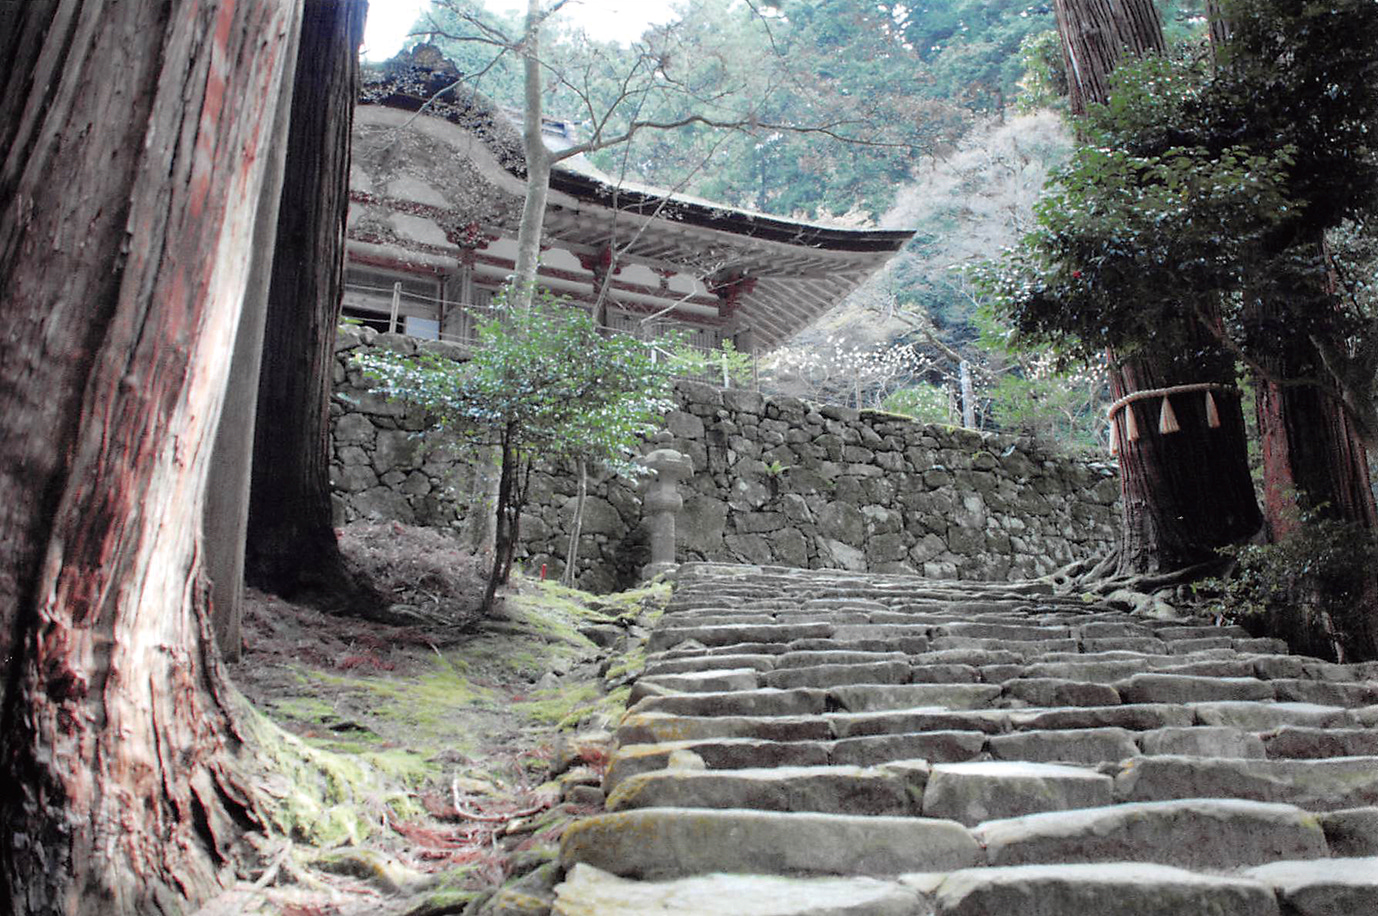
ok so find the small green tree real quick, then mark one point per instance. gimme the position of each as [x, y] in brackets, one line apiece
[924, 402]
[543, 385]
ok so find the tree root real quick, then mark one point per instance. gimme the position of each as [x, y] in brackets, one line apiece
[1152, 594]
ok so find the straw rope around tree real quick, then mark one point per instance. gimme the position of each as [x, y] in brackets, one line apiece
[1167, 418]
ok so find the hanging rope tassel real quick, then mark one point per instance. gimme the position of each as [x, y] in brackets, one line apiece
[1167, 419]
[1131, 426]
[1212, 412]
[1114, 436]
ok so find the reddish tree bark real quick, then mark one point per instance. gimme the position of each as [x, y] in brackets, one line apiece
[1188, 492]
[1096, 36]
[291, 548]
[134, 137]
[1313, 458]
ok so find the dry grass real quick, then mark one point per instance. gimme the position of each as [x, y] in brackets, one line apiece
[425, 573]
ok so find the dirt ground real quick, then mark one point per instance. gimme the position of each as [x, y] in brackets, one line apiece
[437, 762]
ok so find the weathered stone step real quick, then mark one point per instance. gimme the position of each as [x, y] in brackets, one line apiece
[1316, 743]
[1182, 688]
[676, 842]
[970, 793]
[798, 701]
[710, 681]
[730, 634]
[1351, 832]
[830, 723]
[1131, 716]
[715, 754]
[652, 727]
[951, 746]
[874, 697]
[588, 891]
[1259, 717]
[680, 665]
[1109, 889]
[1085, 745]
[1199, 833]
[917, 719]
[893, 791]
[1318, 785]
[1201, 741]
[1321, 887]
[766, 701]
[839, 675]
[737, 753]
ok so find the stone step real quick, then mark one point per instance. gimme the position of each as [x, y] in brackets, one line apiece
[705, 662]
[676, 842]
[1198, 833]
[588, 891]
[1201, 741]
[715, 680]
[766, 701]
[971, 793]
[874, 697]
[951, 746]
[1258, 717]
[1131, 716]
[1005, 631]
[714, 754]
[893, 791]
[1326, 693]
[1182, 688]
[1109, 889]
[1318, 785]
[652, 727]
[1319, 887]
[730, 634]
[1076, 745]
[1050, 691]
[1351, 832]
[840, 675]
[1317, 743]
[809, 659]
[1026, 648]
[989, 750]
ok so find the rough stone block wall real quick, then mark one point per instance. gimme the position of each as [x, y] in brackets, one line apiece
[776, 481]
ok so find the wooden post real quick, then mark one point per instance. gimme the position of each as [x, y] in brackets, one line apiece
[968, 395]
[396, 306]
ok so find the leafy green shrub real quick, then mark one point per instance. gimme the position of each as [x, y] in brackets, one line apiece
[725, 366]
[1310, 587]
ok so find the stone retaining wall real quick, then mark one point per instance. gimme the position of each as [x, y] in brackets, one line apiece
[776, 481]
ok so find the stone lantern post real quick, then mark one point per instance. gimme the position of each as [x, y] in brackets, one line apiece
[661, 505]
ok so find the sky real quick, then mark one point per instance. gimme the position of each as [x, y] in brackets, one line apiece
[389, 21]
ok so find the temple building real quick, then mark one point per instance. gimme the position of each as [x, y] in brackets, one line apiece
[436, 193]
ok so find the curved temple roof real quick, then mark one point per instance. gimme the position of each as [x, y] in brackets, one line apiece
[466, 174]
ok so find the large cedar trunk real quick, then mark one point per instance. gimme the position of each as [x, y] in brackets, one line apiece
[1096, 36]
[1313, 458]
[135, 138]
[1188, 492]
[291, 547]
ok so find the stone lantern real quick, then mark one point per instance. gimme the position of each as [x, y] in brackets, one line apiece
[661, 505]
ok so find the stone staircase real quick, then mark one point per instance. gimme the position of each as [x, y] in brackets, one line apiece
[818, 742]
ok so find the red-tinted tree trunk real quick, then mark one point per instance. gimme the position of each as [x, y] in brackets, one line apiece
[1188, 492]
[134, 137]
[291, 547]
[1313, 458]
[1096, 36]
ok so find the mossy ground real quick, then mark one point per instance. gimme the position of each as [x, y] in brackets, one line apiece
[376, 735]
